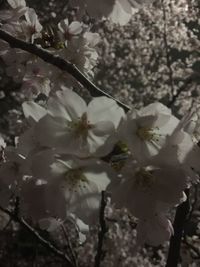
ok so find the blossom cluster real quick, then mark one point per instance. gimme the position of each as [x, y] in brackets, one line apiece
[59, 166]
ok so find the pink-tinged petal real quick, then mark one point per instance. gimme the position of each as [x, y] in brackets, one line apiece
[49, 131]
[154, 231]
[33, 110]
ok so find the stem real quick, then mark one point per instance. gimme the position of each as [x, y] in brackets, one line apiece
[43, 241]
[102, 231]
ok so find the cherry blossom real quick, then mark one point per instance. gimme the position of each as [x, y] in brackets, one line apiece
[145, 131]
[72, 127]
[149, 190]
[69, 30]
[75, 183]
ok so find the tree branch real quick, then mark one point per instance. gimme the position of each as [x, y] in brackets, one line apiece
[43, 241]
[60, 63]
[102, 231]
[175, 242]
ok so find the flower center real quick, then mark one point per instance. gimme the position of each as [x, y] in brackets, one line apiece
[81, 126]
[144, 179]
[75, 178]
[147, 134]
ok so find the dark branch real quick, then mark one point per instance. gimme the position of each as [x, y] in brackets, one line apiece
[69, 246]
[179, 223]
[60, 63]
[43, 241]
[102, 231]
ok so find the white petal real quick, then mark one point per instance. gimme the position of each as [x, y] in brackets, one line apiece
[119, 15]
[75, 106]
[154, 231]
[75, 28]
[104, 109]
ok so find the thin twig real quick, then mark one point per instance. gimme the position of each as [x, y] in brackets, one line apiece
[69, 246]
[60, 63]
[187, 81]
[179, 223]
[102, 231]
[43, 241]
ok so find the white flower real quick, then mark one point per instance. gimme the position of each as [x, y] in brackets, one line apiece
[81, 51]
[37, 78]
[145, 130]
[147, 191]
[69, 31]
[72, 127]
[79, 182]
[181, 151]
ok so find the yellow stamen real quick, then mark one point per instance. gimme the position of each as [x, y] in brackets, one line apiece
[147, 134]
[81, 126]
[75, 178]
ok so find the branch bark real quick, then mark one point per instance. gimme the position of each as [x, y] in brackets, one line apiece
[60, 63]
[42, 241]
